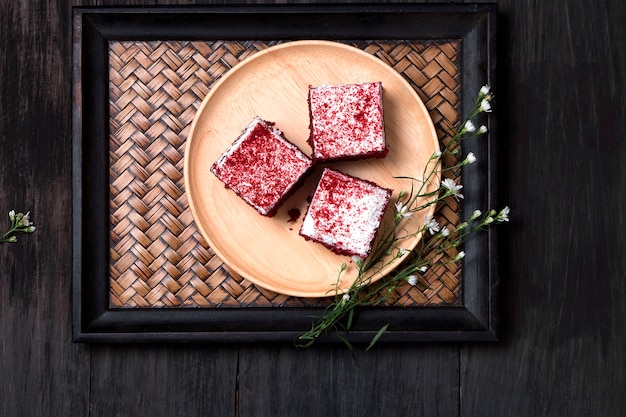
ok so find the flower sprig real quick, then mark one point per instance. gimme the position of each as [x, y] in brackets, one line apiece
[338, 317]
[20, 223]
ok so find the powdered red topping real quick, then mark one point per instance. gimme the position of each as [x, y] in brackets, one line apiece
[261, 166]
[345, 213]
[347, 121]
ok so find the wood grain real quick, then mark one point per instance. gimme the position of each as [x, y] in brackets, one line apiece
[273, 84]
[326, 381]
[41, 372]
[163, 381]
[563, 261]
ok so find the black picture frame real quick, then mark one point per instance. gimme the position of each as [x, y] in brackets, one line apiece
[475, 318]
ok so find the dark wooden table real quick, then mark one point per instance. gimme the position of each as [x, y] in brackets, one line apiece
[560, 108]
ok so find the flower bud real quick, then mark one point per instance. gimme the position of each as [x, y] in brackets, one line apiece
[459, 256]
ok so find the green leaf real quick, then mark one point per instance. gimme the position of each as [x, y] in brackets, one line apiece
[350, 316]
[378, 335]
[346, 341]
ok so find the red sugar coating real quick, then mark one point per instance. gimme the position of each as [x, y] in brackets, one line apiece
[262, 166]
[345, 213]
[346, 121]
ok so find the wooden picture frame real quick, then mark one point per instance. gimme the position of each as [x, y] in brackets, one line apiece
[475, 318]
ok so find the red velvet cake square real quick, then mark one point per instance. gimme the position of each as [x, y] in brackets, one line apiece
[345, 213]
[346, 121]
[262, 166]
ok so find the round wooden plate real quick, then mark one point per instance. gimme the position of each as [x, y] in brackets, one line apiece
[273, 84]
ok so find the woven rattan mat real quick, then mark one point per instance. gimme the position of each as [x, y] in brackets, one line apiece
[157, 256]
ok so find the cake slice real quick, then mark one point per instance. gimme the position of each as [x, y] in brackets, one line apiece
[345, 213]
[346, 121]
[262, 166]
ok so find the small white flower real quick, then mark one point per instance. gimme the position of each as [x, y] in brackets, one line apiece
[345, 298]
[484, 90]
[451, 186]
[412, 279]
[469, 126]
[12, 215]
[503, 216]
[26, 219]
[431, 225]
[476, 214]
[436, 154]
[444, 231]
[459, 256]
[401, 252]
[423, 269]
[485, 106]
[403, 210]
[482, 130]
[470, 158]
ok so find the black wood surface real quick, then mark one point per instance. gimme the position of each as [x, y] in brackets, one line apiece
[560, 109]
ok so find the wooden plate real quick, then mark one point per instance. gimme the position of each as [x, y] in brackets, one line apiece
[273, 84]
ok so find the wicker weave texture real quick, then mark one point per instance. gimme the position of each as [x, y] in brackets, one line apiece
[157, 256]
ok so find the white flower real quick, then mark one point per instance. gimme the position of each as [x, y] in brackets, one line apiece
[444, 231]
[485, 106]
[451, 186]
[401, 252]
[476, 214]
[469, 126]
[423, 269]
[12, 215]
[431, 225]
[412, 279]
[26, 219]
[470, 158]
[482, 130]
[436, 154]
[484, 90]
[459, 256]
[345, 298]
[402, 210]
[503, 216]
